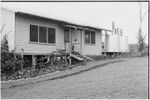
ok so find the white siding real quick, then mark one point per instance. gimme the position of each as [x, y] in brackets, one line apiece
[22, 36]
[8, 21]
[92, 49]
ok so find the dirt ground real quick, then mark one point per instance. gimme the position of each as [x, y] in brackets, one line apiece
[122, 80]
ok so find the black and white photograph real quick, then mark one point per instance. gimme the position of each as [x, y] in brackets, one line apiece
[74, 50]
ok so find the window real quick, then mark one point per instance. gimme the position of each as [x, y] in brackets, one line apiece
[89, 37]
[51, 35]
[42, 34]
[33, 33]
[66, 36]
[92, 37]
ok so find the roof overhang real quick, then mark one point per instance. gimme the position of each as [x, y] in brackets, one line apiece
[84, 28]
[61, 22]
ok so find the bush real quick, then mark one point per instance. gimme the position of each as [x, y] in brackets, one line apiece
[9, 64]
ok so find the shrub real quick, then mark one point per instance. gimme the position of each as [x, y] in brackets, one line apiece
[9, 63]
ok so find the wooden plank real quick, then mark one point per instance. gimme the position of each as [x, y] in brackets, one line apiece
[87, 57]
[76, 57]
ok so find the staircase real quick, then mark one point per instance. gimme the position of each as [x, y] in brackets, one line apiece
[79, 57]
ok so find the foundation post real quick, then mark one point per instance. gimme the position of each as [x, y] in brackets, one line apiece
[70, 60]
[33, 61]
[66, 60]
[22, 53]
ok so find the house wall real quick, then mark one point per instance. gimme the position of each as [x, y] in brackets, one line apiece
[92, 49]
[23, 32]
[8, 24]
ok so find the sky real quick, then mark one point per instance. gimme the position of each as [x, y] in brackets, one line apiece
[98, 14]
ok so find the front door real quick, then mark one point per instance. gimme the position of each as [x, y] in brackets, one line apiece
[67, 40]
[76, 40]
[72, 40]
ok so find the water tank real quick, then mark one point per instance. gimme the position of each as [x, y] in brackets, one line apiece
[117, 43]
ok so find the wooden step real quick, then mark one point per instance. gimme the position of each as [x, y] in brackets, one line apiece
[77, 57]
[87, 57]
[80, 57]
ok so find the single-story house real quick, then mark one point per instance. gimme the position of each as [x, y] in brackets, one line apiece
[39, 35]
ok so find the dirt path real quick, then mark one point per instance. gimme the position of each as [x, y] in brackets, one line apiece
[127, 79]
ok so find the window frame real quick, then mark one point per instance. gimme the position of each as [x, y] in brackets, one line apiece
[38, 42]
[48, 35]
[90, 32]
[30, 33]
[65, 34]
[39, 33]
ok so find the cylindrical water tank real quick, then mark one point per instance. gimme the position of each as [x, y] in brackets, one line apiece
[113, 43]
[117, 43]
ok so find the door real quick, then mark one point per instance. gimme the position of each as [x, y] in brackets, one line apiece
[73, 41]
[67, 40]
[76, 40]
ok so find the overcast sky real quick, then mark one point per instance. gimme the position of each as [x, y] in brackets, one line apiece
[98, 14]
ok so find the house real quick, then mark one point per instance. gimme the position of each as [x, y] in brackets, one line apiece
[39, 35]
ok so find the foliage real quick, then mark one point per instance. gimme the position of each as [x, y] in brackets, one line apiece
[140, 41]
[140, 36]
[4, 44]
[9, 63]
[6, 57]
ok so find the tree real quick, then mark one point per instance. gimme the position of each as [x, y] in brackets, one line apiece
[4, 44]
[8, 62]
[113, 27]
[141, 42]
[140, 36]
